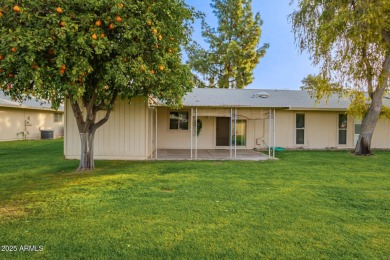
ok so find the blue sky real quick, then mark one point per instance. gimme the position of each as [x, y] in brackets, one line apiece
[283, 67]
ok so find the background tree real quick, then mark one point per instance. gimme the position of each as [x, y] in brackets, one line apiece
[91, 52]
[350, 41]
[233, 50]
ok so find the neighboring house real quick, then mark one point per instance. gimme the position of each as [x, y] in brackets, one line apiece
[230, 118]
[22, 121]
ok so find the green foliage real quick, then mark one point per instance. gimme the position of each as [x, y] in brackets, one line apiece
[349, 41]
[234, 50]
[106, 47]
[308, 204]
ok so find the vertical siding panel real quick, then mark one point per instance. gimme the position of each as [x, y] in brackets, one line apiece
[133, 121]
[127, 129]
[142, 141]
[121, 127]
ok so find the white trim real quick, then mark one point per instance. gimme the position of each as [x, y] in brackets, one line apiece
[274, 130]
[196, 133]
[230, 133]
[235, 133]
[269, 134]
[156, 134]
[192, 129]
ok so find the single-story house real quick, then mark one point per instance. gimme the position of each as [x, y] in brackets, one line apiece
[224, 119]
[26, 120]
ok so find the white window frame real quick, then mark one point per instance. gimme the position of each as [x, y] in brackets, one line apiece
[300, 128]
[178, 123]
[342, 129]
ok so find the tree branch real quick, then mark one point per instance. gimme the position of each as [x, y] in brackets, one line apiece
[368, 72]
[108, 112]
[78, 114]
[386, 37]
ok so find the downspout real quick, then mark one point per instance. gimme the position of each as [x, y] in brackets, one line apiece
[192, 129]
[156, 135]
[196, 133]
[230, 132]
[274, 130]
[235, 133]
[269, 134]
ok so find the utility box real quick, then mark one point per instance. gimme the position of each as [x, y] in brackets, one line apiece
[47, 134]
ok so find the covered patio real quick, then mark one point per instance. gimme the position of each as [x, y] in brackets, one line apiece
[210, 154]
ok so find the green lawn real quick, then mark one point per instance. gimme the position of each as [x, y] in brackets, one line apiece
[312, 205]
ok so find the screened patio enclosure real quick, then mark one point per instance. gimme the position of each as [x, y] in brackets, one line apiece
[195, 132]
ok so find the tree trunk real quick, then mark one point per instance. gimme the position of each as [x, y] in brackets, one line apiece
[86, 159]
[363, 146]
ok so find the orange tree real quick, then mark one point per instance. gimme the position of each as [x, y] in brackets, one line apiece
[92, 52]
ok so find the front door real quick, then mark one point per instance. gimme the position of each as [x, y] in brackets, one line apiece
[223, 130]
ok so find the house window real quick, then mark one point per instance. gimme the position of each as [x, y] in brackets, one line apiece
[240, 133]
[358, 127]
[343, 128]
[300, 129]
[57, 117]
[178, 120]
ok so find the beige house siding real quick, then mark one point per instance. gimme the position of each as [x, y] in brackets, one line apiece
[381, 137]
[21, 123]
[125, 136]
[321, 130]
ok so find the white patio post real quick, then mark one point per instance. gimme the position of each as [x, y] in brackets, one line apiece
[192, 126]
[269, 134]
[156, 135]
[235, 132]
[274, 134]
[196, 133]
[230, 132]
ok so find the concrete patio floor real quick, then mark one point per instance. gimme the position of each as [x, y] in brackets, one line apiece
[209, 154]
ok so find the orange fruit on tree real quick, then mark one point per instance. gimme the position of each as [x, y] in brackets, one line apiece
[9, 87]
[51, 52]
[152, 71]
[118, 18]
[11, 75]
[121, 5]
[1, 70]
[94, 36]
[161, 67]
[156, 45]
[16, 8]
[102, 35]
[62, 71]
[171, 38]
[1, 14]
[98, 23]
[142, 67]
[1, 57]
[63, 67]
[34, 66]
[62, 24]
[149, 23]
[13, 49]
[154, 30]
[169, 50]
[59, 10]
[111, 26]
[160, 37]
